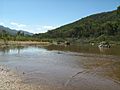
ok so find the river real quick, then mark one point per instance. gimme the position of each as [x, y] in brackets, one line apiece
[65, 67]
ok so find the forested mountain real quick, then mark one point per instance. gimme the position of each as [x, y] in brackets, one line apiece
[12, 31]
[104, 25]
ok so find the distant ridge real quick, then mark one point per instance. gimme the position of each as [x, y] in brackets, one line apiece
[13, 31]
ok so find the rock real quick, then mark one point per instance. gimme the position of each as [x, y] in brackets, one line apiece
[67, 43]
[104, 44]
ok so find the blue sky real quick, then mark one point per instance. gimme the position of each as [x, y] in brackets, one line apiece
[42, 15]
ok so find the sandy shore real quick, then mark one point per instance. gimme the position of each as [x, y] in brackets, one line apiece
[10, 80]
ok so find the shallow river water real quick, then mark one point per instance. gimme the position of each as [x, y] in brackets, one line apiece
[65, 67]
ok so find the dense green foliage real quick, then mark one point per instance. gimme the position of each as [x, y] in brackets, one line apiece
[7, 34]
[19, 36]
[102, 26]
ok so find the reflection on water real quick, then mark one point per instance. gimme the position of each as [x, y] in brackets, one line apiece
[56, 64]
[7, 49]
[115, 50]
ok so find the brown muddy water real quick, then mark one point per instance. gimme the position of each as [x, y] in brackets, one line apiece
[65, 67]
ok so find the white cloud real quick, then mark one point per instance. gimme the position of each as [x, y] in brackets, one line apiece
[18, 25]
[1, 23]
[42, 29]
[29, 28]
[48, 27]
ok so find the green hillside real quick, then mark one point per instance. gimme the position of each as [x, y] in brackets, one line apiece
[102, 26]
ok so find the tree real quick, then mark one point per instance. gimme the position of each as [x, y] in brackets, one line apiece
[5, 37]
[118, 8]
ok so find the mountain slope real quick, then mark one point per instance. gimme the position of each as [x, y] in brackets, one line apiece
[12, 31]
[105, 24]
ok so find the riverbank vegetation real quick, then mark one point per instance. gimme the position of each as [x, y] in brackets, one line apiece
[20, 38]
